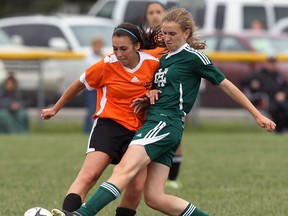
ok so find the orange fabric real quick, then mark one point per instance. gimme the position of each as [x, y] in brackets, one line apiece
[157, 52]
[117, 88]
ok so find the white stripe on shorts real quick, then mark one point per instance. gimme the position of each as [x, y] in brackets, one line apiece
[155, 130]
[151, 136]
[94, 125]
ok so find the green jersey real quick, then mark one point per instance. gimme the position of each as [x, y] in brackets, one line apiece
[179, 78]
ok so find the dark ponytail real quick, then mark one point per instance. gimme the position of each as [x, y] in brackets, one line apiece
[146, 38]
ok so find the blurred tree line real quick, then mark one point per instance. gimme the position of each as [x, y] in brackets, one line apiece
[20, 7]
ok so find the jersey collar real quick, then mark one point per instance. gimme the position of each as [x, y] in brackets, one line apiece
[176, 51]
[129, 70]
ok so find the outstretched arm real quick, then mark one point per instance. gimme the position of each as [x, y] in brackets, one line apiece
[69, 93]
[231, 90]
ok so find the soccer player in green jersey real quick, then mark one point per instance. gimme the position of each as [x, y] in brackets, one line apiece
[177, 83]
[154, 13]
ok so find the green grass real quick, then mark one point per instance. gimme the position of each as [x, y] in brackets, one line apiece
[227, 169]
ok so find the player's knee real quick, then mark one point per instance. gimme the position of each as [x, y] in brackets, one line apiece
[132, 198]
[121, 172]
[138, 189]
[137, 185]
[152, 203]
[151, 200]
[88, 179]
[135, 191]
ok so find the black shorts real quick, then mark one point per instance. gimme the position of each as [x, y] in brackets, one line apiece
[109, 137]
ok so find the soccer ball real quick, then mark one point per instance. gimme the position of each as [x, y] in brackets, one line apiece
[37, 211]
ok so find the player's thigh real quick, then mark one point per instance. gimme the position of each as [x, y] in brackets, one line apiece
[95, 163]
[134, 160]
[133, 191]
[137, 185]
[157, 174]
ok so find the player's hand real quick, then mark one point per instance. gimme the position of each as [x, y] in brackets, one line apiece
[46, 114]
[266, 123]
[139, 104]
[153, 95]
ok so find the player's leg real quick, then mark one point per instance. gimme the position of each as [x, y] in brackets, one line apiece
[107, 142]
[132, 195]
[134, 161]
[156, 198]
[172, 181]
[94, 165]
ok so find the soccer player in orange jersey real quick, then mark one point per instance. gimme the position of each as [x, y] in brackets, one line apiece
[118, 78]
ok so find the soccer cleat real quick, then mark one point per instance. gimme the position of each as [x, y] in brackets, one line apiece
[173, 184]
[58, 212]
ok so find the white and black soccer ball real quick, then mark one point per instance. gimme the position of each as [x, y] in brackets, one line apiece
[37, 211]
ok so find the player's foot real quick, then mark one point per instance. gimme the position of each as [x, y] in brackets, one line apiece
[58, 212]
[173, 184]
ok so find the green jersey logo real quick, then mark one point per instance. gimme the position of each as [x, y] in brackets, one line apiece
[160, 78]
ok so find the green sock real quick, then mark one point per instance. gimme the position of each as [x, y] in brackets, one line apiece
[105, 194]
[191, 210]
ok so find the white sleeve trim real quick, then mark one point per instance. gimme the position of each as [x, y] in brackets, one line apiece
[83, 80]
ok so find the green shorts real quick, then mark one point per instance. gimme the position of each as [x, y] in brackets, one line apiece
[160, 140]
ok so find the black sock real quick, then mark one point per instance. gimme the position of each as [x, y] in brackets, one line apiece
[72, 202]
[174, 170]
[125, 212]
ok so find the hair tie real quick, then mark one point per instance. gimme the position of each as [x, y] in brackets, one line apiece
[127, 31]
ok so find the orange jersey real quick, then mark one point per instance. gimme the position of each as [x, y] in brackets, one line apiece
[117, 87]
[158, 52]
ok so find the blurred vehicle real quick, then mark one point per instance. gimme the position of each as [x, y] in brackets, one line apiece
[237, 15]
[60, 33]
[4, 43]
[245, 43]
[281, 26]
[25, 70]
[209, 15]
[4, 39]
[248, 41]
[124, 10]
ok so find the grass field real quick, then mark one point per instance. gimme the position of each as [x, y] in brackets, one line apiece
[227, 170]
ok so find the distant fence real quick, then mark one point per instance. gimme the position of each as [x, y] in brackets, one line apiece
[33, 60]
[244, 56]
[38, 56]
